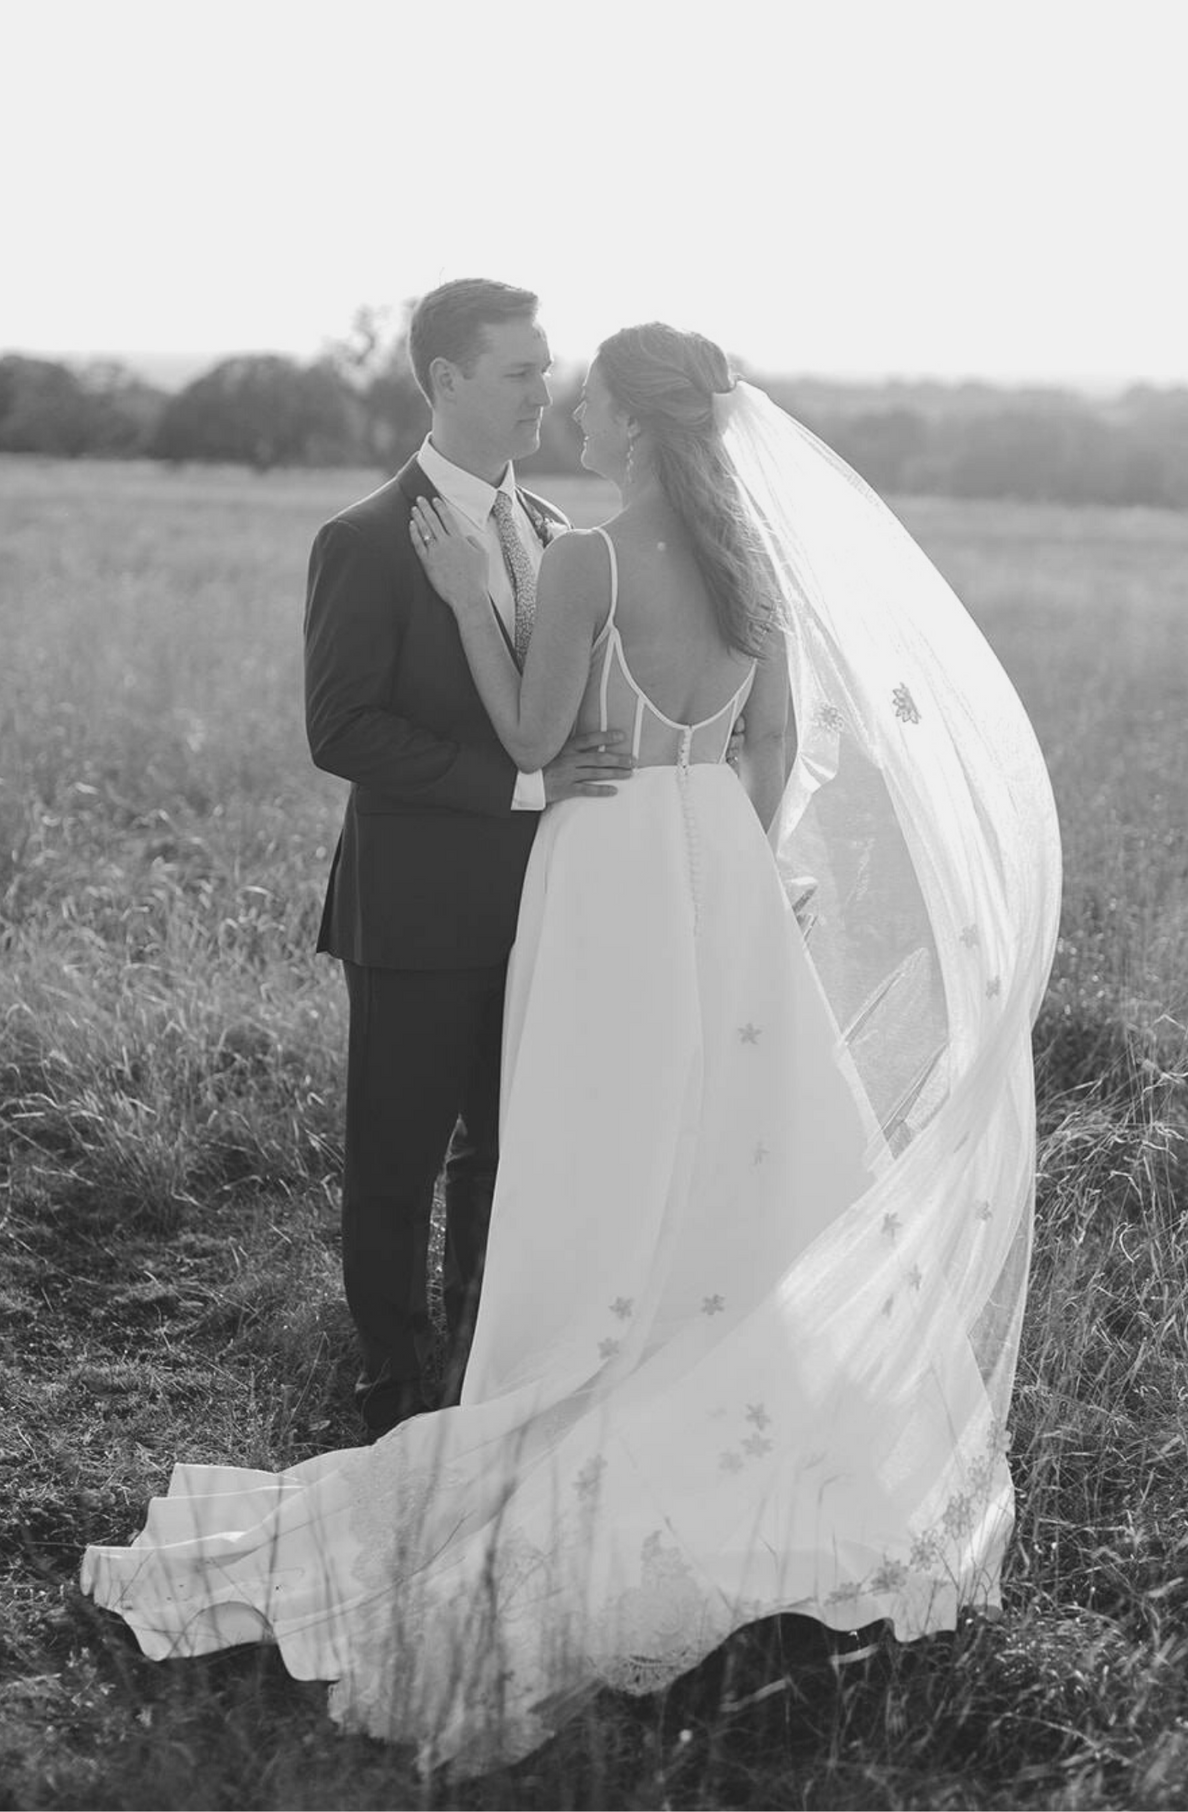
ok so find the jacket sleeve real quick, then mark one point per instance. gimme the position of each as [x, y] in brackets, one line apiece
[352, 646]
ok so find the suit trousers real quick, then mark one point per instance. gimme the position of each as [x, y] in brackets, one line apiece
[422, 1089]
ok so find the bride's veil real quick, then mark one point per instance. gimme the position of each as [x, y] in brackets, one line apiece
[919, 802]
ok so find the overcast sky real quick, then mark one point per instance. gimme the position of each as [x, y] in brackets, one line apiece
[839, 187]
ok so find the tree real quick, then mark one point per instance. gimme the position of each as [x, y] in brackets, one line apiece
[883, 445]
[43, 408]
[261, 410]
[373, 362]
[125, 410]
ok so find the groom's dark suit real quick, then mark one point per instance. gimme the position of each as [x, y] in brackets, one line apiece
[421, 909]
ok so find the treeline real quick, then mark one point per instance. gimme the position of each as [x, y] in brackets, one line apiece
[358, 404]
[979, 440]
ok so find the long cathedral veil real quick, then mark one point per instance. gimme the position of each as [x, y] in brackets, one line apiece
[919, 802]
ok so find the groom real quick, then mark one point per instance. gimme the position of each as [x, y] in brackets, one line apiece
[425, 885]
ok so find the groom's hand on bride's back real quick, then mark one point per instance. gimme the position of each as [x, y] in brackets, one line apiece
[591, 765]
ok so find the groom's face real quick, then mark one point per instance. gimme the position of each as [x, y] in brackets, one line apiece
[499, 403]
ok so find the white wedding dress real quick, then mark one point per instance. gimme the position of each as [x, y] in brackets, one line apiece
[719, 1370]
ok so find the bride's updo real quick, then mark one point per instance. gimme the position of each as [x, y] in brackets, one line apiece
[667, 381]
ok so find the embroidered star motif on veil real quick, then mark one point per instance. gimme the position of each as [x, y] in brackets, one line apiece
[906, 709]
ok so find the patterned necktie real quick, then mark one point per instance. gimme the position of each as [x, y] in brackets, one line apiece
[519, 566]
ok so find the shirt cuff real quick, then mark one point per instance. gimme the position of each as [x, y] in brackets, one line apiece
[529, 795]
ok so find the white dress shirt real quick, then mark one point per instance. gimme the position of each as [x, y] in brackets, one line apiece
[472, 501]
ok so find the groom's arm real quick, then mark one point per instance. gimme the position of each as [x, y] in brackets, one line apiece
[352, 646]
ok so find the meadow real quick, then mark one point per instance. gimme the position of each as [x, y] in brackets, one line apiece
[171, 1079]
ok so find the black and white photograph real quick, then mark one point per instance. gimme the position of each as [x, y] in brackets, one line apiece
[593, 905]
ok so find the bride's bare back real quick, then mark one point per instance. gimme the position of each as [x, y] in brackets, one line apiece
[672, 650]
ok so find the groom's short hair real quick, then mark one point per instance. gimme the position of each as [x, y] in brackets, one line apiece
[448, 323]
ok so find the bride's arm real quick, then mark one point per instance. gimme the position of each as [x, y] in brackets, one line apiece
[533, 713]
[762, 764]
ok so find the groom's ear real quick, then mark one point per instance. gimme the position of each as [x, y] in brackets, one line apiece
[442, 376]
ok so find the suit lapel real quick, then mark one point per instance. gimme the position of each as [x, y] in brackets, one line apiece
[545, 521]
[534, 517]
[413, 481]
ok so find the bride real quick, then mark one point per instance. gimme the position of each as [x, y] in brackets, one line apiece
[760, 1237]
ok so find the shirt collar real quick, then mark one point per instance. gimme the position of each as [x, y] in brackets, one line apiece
[472, 497]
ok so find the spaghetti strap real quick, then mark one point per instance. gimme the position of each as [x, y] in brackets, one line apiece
[614, 586]
[608, 647]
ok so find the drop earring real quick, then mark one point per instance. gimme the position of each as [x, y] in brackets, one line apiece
[630, 462]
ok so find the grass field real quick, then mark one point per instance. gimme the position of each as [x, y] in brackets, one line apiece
[170, 1090]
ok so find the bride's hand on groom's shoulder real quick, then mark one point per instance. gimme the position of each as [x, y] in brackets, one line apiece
[455, 564]
[589, 766]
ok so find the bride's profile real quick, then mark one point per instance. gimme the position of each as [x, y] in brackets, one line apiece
[759, 1245]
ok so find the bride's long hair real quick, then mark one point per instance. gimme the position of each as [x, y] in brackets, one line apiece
[667, 381]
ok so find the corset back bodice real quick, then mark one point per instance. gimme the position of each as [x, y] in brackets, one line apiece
[614, 700]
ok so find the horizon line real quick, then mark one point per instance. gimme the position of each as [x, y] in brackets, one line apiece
[153, 364]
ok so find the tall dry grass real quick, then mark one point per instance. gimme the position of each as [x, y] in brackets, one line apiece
[170, 1093]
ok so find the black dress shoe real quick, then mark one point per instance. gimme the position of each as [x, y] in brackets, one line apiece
[375, 1431]
[788, 1653]
[385, 1402]
[854, 1648]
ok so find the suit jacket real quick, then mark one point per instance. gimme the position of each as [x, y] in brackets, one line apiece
[430, 863]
